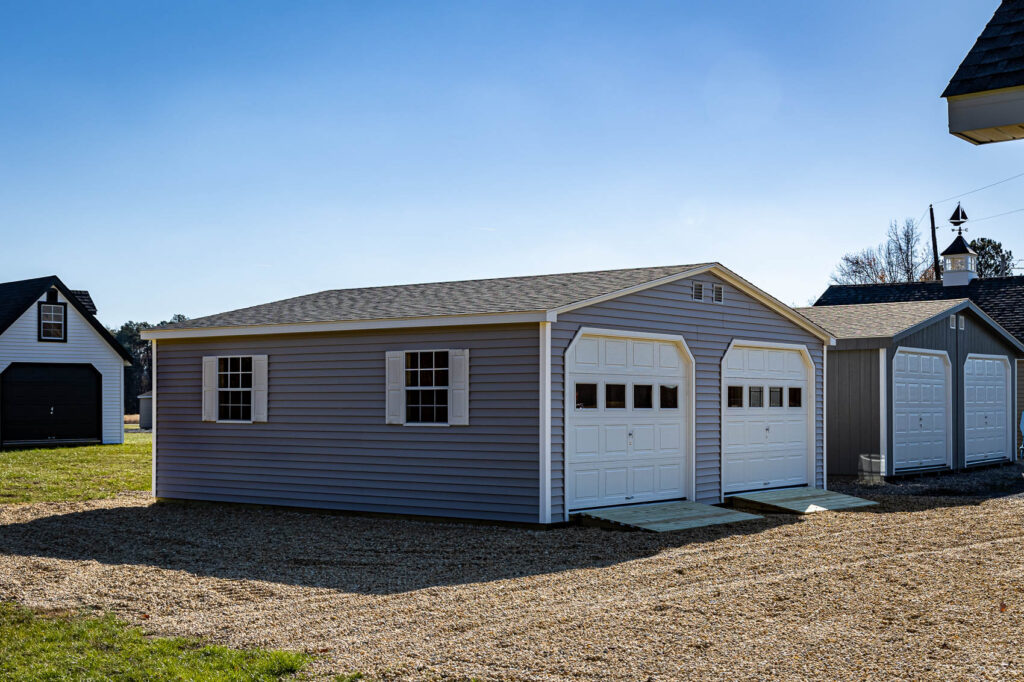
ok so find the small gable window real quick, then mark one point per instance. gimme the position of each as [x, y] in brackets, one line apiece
[698, 291]
[717, 293]
[53, 322]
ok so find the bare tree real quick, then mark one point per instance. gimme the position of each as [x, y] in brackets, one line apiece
[898, 259]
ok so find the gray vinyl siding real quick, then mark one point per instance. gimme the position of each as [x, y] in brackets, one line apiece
[708, 328]
[325, 443]
[853, 409]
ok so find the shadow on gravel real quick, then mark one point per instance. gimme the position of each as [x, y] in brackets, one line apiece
[931, 491]
[349, 553]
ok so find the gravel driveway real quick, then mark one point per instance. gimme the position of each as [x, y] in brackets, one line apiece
[911, 589]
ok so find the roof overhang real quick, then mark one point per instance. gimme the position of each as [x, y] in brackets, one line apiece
[985, 117]
[517, 317]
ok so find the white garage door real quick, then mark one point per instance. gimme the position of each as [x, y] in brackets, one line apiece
[626, 413]
[765, 431]
[986, 407]
[921, 404]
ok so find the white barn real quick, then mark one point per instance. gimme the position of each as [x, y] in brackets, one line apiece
[61, 372]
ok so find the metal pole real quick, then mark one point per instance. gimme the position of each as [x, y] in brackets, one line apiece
[935, 246]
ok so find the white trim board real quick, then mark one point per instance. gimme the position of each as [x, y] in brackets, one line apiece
[883, 416]
[545, 423]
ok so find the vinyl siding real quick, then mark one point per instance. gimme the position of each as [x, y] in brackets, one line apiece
[853, 409]
[325, 443]
[20, 343]
[708, 328]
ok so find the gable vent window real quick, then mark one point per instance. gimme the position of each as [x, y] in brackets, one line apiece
[952, 322]
[427, 387]
[698, 291]
[717, 293]
[53, 321]
[235, 388]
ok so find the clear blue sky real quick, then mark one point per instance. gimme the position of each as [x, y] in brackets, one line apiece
[196, 157]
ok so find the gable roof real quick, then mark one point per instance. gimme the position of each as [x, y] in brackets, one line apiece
[1002, 298]
[875, 324]
[17, 297]
[876, 320]
[997, 59]
[481, 301]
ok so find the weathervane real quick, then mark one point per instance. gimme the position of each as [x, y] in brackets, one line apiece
[958, 218]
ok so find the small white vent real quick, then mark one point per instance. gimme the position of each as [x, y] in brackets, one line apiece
[698, 291]
[717, 293]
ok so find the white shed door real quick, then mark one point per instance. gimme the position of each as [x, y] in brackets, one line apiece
[920, 410]
[626, 413]
[765, 431]
[986, 407]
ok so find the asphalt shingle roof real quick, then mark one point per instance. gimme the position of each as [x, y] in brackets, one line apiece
[1002, 298]
[468, 297]
[875, 320]
[16, 297]
[997, 58]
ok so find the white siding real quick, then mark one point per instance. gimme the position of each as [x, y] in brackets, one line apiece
[19, 343]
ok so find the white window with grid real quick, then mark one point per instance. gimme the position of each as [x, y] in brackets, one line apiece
[428, 387]
[235, 388]
[51, 321]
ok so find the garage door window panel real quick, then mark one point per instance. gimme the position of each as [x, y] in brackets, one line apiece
[643, 397]
[735, 396]
[586, 396]
[796, 396]
[668, 397]
[615, 396]
[775, 396]
[755, 396]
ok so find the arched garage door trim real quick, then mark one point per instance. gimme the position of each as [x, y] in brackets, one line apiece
[810, 402]
[944, 356]
[687, 392]
[1010, 408]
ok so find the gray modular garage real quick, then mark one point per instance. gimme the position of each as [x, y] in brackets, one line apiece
[919, 386]
[518, 399]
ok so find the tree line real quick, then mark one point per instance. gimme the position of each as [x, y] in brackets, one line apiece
[905, 256]
[138, 377]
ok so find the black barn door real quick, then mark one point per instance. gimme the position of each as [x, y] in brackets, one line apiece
[49, 402]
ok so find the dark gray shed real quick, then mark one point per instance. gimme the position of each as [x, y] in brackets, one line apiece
[916, 386]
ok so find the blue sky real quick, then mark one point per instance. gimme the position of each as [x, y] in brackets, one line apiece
[199, 157]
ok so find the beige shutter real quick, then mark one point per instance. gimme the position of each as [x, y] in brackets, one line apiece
[458, 382]
[259, 388]
[209, 389]
[395, 373]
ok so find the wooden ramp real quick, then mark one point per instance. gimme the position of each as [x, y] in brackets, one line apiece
[661, 517]
[798, 501]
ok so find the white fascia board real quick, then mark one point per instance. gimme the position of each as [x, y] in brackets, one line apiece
[348, 325]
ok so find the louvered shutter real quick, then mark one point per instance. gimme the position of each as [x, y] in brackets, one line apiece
[395, 373]
[259, 388]
[458, 382]
[209, 389]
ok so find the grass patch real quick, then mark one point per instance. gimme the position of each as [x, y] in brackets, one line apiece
[82, 473]
[34, 647]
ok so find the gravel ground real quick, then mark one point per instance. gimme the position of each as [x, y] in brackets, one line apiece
[923, 586]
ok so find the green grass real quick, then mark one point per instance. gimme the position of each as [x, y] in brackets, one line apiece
[84, 473]
[79, 647]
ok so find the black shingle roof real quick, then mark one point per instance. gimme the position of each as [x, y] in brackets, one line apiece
[997, 58]
[16, 297]
[468, 297]
[1002, 298]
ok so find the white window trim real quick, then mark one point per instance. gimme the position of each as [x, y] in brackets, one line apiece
[448, 389]
[698, 287]
[60, 306]
[718, 293]
[952, 321]
[252, 372]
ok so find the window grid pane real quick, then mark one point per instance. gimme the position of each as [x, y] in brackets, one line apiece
[756, 397]
[426, 387]
[51, 321]
[775, 396]
[795, 396]
[669, 398]
[735, 396]
[643, 396]
[234, 388]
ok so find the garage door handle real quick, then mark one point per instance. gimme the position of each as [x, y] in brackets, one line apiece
[51, 410]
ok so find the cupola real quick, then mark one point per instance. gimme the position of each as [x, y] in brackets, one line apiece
[960, 261]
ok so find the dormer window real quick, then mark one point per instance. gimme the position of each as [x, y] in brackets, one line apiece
[53, 321]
